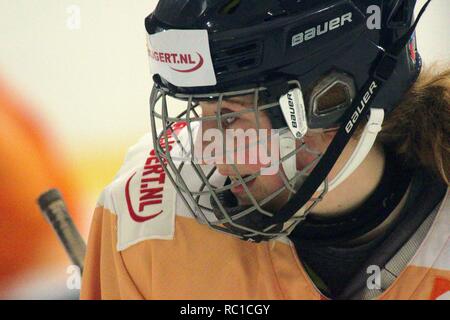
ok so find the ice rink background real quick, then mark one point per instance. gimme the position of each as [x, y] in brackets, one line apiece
[89, 87]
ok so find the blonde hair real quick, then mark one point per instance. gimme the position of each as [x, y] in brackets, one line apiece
[418, 129]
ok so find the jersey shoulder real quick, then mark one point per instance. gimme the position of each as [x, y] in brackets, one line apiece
[141, 196]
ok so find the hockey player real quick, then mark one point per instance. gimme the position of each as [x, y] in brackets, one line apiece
[358, 206]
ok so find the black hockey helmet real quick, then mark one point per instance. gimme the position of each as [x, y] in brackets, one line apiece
[258, 42]
[361, 52]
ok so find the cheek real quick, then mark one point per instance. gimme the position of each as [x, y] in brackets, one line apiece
[270, 183]
[317, 142]
[264, 121]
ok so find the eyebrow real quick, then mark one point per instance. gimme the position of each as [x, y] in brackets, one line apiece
[244, 104]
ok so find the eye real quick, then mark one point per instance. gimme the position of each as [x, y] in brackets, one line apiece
[229, 120]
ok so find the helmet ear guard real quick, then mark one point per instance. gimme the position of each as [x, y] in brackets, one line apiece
[331, 96]
[340, 99]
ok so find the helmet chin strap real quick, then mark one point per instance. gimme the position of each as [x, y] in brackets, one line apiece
[365, 144]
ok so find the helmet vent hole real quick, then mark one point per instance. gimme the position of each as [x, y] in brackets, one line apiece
[237, 58]
[220, 70]
[246, 63]
[230, 7]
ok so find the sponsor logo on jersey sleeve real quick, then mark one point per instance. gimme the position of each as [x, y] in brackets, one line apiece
[144, 188]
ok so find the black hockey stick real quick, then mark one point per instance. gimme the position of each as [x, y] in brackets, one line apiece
[55, 211]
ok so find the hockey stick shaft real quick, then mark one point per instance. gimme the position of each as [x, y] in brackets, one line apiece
[55, 211]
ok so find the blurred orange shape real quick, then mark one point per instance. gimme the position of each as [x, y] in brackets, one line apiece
[30, 163]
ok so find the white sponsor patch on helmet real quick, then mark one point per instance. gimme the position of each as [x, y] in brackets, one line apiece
[293, 108]
[182, 57]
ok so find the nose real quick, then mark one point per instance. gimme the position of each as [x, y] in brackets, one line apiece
[225, 170]
[243, 170]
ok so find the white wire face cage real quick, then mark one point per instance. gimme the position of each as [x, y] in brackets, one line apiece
[205, 192]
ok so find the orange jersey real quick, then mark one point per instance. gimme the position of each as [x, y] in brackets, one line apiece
[144, 244]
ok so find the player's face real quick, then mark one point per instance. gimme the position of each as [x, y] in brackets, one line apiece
[264, 185]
